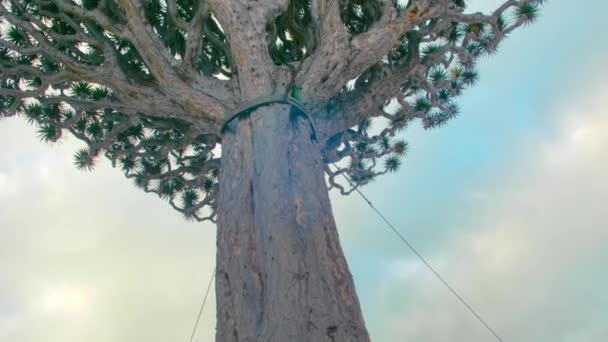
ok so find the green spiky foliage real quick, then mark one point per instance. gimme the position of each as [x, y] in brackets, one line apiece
[359, 15]
[292, 34]
[104, 72]
[163, 156]
[448, 57]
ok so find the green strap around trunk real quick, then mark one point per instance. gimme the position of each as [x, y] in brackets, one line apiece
[292, 99]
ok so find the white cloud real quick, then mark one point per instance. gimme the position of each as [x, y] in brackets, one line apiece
[520, 260]
[6, 187]
[89, 257]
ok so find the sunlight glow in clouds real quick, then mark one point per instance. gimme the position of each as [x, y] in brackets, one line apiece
[68, 300]
[583, 132]
[499, 250]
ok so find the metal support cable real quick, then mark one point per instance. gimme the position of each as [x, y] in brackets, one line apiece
[200, 312]
[409, 246]
[424, 261]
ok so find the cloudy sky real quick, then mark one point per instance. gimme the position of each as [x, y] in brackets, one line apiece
[508, 202]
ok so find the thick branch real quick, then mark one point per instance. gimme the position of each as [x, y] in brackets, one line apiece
[256, 73]
[160, 63]
[341, 57]
[94, 16]
[390, 82]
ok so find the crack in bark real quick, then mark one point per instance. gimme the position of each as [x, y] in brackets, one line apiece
[305, 279]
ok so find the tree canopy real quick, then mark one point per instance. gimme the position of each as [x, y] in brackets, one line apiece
[150, 83]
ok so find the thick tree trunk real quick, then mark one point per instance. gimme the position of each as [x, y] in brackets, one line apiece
[281, 273]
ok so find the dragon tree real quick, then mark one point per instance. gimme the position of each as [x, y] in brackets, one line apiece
[246, 113]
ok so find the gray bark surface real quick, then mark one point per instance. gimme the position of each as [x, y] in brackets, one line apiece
[281, 273]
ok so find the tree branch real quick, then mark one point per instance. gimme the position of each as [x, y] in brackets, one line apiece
[388, 81]
[341, 56]
[95, 16]
[256, 73]
[195, 34]
[161, 66]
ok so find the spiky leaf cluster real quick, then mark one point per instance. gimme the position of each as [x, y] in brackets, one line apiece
[149, 83]
[440, 58]
[292, 34]
[162, 156]
[43, 44]
[359, 15]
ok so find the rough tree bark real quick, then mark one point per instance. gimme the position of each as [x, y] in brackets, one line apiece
[281, 273]
[143, 97]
